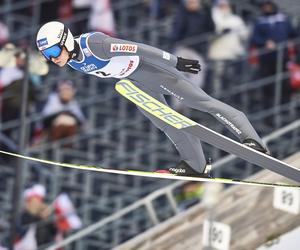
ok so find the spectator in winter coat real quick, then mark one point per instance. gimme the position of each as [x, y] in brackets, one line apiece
[49, 9]
[102, 17]
[41, 223]
[62, 114]
[12, 76]
[270, 29]
[4, 33]
[228, 46]
[81, 8]
[11, 85]
[34, 228]
[159, 9]
[193, 20]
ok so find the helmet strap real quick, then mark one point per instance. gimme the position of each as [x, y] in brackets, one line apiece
[76, 51]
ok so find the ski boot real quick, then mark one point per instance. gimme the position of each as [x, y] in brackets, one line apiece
[184, 169]
[251, 143]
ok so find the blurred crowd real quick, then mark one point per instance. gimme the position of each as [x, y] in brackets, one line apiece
[225, 42]
[61, 115]
[42, 222]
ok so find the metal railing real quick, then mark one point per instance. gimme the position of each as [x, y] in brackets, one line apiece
[116, 155]
[166, 191]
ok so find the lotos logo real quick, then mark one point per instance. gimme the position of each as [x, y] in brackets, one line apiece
[42, 42]
[130, 48]
[115, 48]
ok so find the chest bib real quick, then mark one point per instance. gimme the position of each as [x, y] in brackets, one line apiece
[116, 67]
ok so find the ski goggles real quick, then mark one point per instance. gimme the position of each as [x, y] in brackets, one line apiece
[52, 52]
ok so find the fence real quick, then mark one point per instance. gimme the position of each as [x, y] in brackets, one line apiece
[120, 137]
[148, 201]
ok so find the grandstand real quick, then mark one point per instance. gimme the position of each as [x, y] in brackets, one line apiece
[128, 212]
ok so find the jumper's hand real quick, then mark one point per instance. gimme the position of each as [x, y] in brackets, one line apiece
[187, 65]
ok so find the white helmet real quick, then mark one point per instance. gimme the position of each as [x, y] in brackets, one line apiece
[54, 33]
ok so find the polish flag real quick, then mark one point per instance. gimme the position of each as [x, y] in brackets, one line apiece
[66, 217]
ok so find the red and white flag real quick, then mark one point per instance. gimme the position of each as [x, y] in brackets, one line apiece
[66, 217]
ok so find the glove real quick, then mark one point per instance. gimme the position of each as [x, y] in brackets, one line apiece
[187, 65]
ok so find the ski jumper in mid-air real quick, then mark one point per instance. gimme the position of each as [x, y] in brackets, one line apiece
[157, 73]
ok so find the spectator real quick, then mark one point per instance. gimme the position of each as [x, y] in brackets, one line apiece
[159, 9]
[102, 17]
[81, 8]
[228, 46]
[12, 73]
[294, 65]
[8, 62]
[62, 114]
[189, 13]
[49, 10]
[4, 33]
[34, 228]
[65, 10]
[294, 76]
[270, 29]
[11, 83]
[41, 223]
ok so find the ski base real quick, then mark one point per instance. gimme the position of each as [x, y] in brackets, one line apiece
[213, 180]
[152, 174]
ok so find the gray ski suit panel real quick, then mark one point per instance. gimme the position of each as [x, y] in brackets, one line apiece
[100, 44]
[157, 75]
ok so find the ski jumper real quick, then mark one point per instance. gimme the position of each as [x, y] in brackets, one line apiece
[154, 71]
